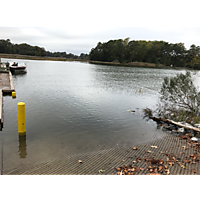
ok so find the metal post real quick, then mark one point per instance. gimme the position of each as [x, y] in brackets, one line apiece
[21, 118]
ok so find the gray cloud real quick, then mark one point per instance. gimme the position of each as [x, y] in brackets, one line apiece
[77, 40]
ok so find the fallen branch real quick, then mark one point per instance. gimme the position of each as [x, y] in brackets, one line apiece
[175, 123]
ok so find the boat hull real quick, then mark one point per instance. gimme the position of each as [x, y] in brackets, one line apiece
[17, 68]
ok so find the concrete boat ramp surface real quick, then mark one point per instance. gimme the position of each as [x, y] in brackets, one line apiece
[178, 155]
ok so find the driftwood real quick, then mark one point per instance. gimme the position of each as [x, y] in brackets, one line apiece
[175, 123]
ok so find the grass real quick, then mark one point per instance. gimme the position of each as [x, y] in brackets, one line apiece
[26, 57]
[196, 120]
[131, 64]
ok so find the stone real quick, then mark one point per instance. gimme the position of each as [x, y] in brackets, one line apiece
[167, 127]
[172, 127]
[197, 125]
[194, 139]
[197, 135]
[180, 130]
[189, 125]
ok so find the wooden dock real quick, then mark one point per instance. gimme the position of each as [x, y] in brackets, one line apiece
[6, 87]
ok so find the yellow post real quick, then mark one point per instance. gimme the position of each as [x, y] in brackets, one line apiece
[13, 94]
[21, 118]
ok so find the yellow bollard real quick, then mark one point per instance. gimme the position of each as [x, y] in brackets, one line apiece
[13, 94]
[21, 118]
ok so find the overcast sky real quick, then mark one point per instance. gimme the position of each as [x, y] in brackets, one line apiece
[78, 39]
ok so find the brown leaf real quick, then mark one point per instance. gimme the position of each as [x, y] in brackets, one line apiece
[80, 161]
[168, 172]
[194, 171]
[135, 148]
[171, 163]
[139, 159]
[141, 169]
[134, 161]
[118, 169]
[118, 173]
[137, 168]
[151, 170]
[154, 147]
[160, 168]
[154, 173]
[121, 160]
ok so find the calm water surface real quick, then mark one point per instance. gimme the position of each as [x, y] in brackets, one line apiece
[74, 108]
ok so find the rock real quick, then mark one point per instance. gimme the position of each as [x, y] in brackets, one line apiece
[194, 139]
[174, 132]
[167, 127]
[197, 125]
[172, 127]
[197, 135]
[189, 125]
[165, 124]
[180, 130]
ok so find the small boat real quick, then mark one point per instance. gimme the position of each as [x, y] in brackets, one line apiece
[15, 67]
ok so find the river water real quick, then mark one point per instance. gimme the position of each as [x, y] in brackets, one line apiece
[75, 108]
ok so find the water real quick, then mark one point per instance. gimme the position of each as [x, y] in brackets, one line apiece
[75, 108]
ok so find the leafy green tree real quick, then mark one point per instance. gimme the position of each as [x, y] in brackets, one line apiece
[178, 94]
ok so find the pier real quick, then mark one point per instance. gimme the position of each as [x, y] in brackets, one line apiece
[6, 87]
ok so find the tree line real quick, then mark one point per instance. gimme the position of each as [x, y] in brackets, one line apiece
[25, 49]
[158, 52]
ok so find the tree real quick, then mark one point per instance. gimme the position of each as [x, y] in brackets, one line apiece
[179, 95]
[193, 56]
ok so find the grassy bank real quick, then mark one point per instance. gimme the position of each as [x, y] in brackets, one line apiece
[132, 64]
[26, 57]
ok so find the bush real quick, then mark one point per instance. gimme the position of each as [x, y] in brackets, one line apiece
[179, 98]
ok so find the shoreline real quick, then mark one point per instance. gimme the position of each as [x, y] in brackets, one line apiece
[132, 64]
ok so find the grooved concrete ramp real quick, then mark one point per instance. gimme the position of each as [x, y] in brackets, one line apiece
[95, 163]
